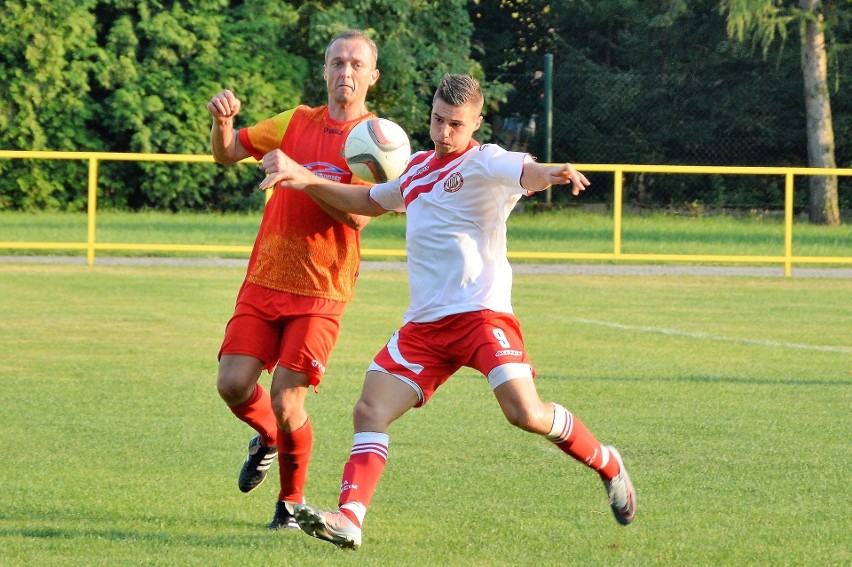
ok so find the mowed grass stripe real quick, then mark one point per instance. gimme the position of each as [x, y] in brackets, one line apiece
[707, 336]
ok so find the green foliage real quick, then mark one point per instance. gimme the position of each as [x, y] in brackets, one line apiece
[641, 82]
[656, 82]
[115, 75]
[160, 68]
[47, 53]
[762, 21]
[418, 41]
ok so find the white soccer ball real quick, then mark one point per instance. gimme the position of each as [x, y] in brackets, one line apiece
[377, 150]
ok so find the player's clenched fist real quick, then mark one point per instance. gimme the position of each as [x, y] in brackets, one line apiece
[224, 105]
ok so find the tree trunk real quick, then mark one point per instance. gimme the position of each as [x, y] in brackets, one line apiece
[823, 202]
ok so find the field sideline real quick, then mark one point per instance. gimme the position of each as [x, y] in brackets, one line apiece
[728, 397]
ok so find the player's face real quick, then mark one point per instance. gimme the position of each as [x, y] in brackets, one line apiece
[452, 127]
[349, 71]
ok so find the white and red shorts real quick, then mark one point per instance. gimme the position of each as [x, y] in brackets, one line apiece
[425, 355]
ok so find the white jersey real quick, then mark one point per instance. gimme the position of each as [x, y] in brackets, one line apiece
[456, 209]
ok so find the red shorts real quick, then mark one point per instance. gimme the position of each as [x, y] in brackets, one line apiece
[425, 355]
[279, 328]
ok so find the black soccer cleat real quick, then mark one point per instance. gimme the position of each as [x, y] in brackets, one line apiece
[258, 461]
[283, 518]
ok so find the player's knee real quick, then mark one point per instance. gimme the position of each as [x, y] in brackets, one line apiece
[232, 390]
[280, 408]
[527, 417]
[288, 405]
[288, 410]
[370, 416]
[363, 411]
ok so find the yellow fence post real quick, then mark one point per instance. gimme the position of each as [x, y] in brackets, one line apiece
[91, 210]
[618, 186]
[788, 224]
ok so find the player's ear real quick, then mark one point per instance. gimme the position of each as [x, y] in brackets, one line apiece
[478, 122]
[374, 76]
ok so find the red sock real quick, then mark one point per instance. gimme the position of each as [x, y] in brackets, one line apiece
[257, 413]
[362, 473]
[294, 456]
[570, 435]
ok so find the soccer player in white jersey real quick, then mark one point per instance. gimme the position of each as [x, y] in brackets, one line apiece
[457, 199]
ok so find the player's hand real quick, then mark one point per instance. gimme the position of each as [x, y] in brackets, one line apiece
[224, 105]
[566, 174]
[279, 168]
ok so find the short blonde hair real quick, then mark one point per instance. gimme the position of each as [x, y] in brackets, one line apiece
[355, 34]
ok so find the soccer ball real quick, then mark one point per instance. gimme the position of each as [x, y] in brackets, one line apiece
[377, 150]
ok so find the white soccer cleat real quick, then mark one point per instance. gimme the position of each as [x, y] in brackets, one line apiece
[332, 527]
[622, 496]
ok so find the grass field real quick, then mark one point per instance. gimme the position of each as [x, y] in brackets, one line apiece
[728, 397]
[568, 230]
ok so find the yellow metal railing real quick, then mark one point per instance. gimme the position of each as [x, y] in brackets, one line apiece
[618, 171]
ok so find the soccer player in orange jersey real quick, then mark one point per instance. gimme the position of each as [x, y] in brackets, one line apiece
[301, 272]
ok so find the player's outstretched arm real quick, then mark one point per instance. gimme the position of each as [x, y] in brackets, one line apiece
[537, 177]
[279, 168]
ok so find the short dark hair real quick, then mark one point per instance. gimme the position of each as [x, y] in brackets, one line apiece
[459, 90]
[355, 34]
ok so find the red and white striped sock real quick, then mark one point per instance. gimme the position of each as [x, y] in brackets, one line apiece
[362, 473]
[569, 434]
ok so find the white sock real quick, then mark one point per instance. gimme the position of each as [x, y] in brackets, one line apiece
[563, 423]
[357, 509]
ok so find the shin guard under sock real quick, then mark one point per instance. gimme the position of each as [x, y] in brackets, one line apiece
[362, 473]
[294, 456]
[569, 434]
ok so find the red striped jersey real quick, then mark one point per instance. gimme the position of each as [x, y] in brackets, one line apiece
[456, 210]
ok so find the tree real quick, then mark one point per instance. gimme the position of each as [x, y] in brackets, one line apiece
[648, 82]
[48, 52]
[661, 81]
[764, 20]
[135, 76]
[419, 41]
[161, 64]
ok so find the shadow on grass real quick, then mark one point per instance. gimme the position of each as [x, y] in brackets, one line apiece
[746, 381]
[221, 534]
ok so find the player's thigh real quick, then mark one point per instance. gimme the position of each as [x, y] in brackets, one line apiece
[384, 399]
[289, 387]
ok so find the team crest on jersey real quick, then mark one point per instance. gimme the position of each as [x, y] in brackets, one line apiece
[453, 183]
